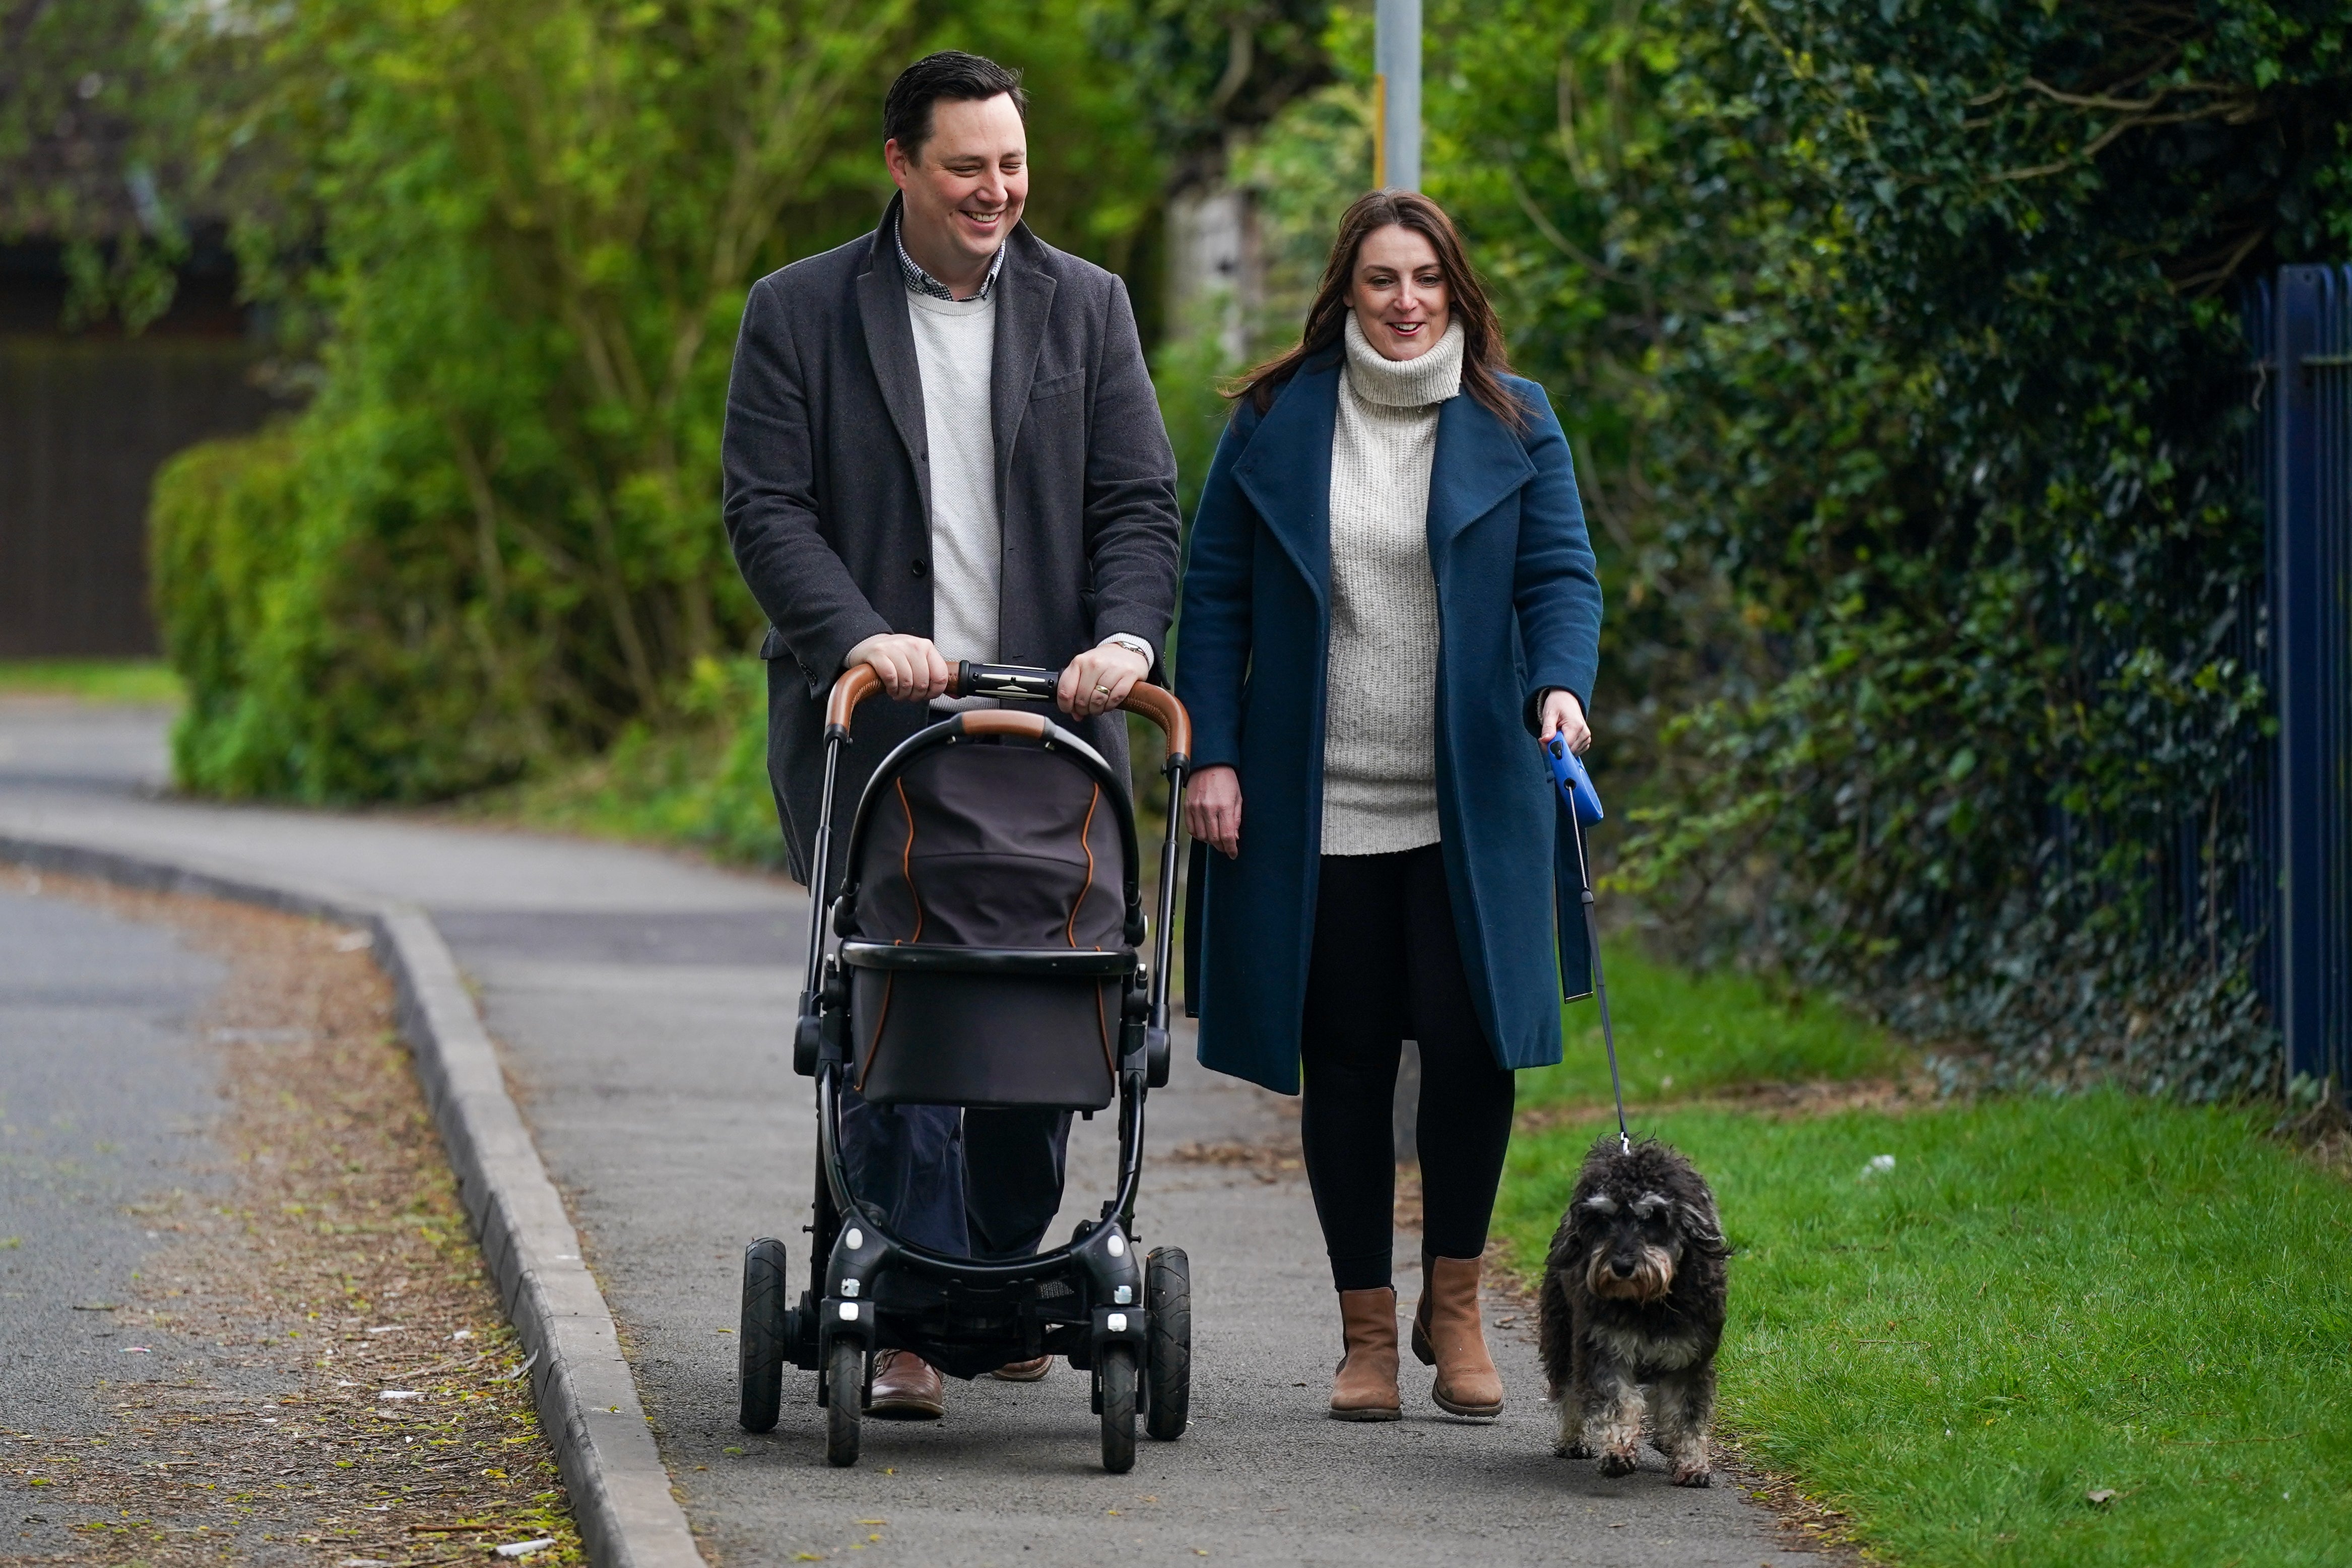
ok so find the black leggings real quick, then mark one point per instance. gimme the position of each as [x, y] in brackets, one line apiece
[1387, 967]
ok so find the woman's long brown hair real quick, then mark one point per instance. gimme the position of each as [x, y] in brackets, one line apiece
[1484, 362]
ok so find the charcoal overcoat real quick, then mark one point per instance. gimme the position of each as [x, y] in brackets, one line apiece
[828, 494]
[1518, 608]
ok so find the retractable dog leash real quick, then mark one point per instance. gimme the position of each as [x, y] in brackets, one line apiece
[1583, 803]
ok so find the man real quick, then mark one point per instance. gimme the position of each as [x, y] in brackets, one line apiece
[942, 444]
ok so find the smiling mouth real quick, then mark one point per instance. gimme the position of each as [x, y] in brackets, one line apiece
[989, 219]
[1406, 328]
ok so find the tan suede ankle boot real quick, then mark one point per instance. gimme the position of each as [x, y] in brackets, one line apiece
[1364, 1388]
[1447, 1334]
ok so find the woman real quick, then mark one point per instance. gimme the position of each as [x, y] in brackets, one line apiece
[1391, 599]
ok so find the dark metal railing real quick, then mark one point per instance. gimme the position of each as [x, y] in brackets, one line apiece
[2295, 786]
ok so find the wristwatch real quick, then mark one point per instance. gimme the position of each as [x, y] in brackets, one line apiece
[1134, 645]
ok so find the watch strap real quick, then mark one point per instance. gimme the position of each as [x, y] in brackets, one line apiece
[1134, 645]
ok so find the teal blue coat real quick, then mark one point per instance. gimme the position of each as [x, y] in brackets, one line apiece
[1518, 608]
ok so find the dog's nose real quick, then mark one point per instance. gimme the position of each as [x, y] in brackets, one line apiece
[1622, 1267]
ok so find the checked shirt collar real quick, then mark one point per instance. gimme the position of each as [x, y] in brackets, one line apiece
[922, 282]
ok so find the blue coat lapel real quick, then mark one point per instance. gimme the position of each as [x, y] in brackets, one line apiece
[1479, 462]
[1287, 472]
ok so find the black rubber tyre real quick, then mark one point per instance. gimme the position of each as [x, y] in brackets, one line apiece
[761, 1338]
[1115, 1374]
[844, 1381]
[1168, 1294]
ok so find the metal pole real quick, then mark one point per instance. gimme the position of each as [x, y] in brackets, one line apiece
[2298, 633]
[1396, 94]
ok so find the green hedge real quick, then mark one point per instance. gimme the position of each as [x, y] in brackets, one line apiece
[1898, 346]
[517, 240]
[321, 662]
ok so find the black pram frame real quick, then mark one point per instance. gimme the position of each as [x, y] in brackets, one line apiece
[1125, 1318]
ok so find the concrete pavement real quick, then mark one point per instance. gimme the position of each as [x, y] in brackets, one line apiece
[643, 1002]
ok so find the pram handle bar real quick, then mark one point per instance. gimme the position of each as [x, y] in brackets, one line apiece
[1018, 683]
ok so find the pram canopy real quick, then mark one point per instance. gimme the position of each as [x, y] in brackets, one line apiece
[989, 922]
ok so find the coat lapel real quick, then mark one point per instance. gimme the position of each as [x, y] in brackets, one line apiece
[1287, 472]
[1479, 462]
[891, 347]
[1025, 299]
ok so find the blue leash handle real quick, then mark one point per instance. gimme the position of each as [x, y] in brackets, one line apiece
[1575, 786]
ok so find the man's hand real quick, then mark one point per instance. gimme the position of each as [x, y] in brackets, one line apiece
[911, 668]
[1564, 715]
[1099, 680]
[1213, 809]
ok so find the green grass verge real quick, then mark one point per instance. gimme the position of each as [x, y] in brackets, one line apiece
[683, 790]
[700, 783]
[1681, 1034]
[126, 681]
[2042, 1297]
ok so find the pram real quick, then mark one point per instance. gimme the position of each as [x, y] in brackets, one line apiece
[985, 951]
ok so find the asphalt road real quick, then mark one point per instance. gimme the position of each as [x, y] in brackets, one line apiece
[107, 1097]
[643, 1003]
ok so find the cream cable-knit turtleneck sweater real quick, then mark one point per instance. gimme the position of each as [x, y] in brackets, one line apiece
[1380, 725]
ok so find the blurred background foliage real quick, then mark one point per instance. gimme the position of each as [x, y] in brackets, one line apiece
[1898, 346]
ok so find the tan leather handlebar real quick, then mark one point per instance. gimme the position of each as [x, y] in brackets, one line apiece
[1004, 721]
[1161, 708]
[853, 685]
[859, 682]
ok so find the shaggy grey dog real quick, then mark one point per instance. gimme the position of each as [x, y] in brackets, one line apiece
[1632, 1304]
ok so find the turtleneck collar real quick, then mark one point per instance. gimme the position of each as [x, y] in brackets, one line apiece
[1404, 384]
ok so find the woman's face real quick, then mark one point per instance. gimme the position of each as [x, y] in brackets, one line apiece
[1399, 292]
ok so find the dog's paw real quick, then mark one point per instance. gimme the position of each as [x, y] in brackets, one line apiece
[1619, 1464]
[1571, 1449]
[1693, 1476]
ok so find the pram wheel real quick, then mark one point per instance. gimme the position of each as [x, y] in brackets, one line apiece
[845, 1388]
[1115, 1377]
[1168, 1291]
[761, 1336]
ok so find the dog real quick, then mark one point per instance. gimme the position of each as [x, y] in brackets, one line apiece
[1632, 1310]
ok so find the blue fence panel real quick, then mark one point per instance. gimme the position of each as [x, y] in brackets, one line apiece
[2301, 324]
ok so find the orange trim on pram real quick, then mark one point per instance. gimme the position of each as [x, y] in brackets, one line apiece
[906, 869]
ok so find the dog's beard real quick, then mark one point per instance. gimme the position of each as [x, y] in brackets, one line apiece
[1653, 1276]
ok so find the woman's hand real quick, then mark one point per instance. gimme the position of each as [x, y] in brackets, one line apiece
[1213, 809]
[1562, 714]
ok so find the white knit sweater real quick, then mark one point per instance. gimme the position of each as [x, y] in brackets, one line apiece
[1379, 726]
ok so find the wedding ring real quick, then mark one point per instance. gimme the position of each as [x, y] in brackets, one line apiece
[1104, 690]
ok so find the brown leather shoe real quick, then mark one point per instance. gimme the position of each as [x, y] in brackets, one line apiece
[1446, 1335]
[1023, 1371]
[907, 1388]
[1364, 1386]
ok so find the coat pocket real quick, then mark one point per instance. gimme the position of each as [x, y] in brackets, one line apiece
[1047, 386]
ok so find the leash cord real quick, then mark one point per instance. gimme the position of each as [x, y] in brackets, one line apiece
[1600, 986]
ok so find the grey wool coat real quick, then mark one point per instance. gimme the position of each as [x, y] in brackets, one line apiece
[828, 493]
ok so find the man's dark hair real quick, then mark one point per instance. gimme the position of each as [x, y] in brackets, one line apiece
[950, 74]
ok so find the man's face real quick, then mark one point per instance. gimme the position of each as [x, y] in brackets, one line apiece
[965, 186]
